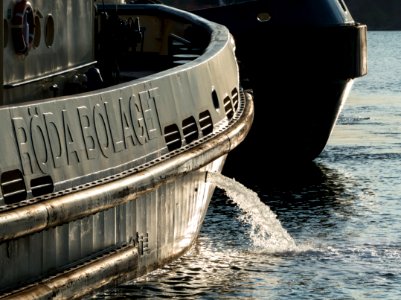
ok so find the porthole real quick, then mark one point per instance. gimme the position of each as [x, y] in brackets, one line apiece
[22, 28]
[38, 33]
[49, 31]
[215, 100]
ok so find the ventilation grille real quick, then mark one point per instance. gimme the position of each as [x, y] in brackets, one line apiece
[235, 99]
[228, 107]
[205, 122]
[190, 130]
[13, 186]
[172, 137]
[42, 185]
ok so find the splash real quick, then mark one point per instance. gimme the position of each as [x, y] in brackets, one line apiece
[266, 232]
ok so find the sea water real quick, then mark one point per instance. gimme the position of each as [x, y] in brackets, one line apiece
[329, 231]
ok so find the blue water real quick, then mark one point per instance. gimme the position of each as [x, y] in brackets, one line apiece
[331, 231]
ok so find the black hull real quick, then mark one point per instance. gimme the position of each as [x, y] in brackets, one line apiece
[300, 63]
[290, 133]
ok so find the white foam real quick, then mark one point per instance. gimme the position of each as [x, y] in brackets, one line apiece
[266, 232]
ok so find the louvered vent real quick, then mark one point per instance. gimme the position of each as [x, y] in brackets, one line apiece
[235, 98]
[13, 186]
[205, 122]
[190, 129]
[42, 185]
[172, 137]
[228, 107]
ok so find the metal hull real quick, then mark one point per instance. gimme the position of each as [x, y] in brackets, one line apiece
[133, 229]
[106, 184]
[300, 59]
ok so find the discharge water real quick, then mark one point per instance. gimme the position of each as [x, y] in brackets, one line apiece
[266, 231]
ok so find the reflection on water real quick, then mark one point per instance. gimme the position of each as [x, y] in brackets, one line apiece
[311, 189]
[311, 185]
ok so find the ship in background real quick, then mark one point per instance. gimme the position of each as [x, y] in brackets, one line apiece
[300, 59]
[112, 116]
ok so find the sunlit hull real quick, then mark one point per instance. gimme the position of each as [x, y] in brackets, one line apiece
[104, 179]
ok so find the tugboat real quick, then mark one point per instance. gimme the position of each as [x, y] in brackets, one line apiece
[112, 116]
[300, 59]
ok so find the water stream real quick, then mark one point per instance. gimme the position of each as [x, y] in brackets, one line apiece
[266, 232]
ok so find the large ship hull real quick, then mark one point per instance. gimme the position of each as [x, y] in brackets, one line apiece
[105, 153]
[300, 58]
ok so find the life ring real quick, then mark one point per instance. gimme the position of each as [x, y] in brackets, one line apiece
[23, 27]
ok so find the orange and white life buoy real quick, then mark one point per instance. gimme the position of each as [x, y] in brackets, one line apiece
[23, 27]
